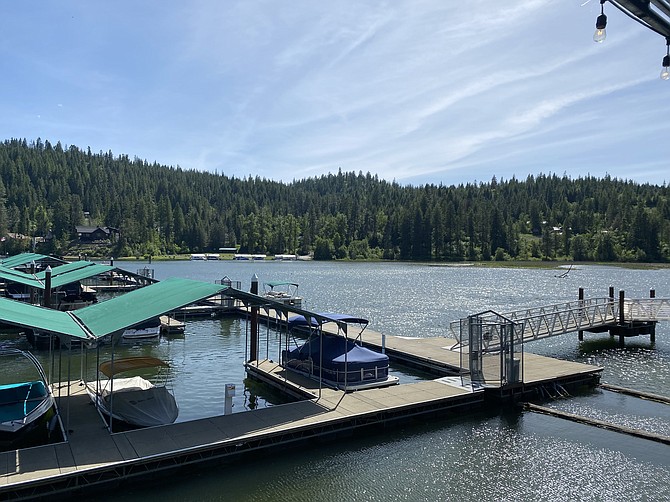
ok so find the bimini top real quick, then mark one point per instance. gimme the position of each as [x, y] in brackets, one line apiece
[299, 320]
[111, 368]
[274, 284]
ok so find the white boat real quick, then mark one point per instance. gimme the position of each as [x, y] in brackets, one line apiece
[283, 292]
[198, 257]
[149, 330]
[134, 401]
[27, 408]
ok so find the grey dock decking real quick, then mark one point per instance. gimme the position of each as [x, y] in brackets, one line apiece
[92, 455]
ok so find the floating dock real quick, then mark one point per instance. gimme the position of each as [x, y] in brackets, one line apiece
[92, 457]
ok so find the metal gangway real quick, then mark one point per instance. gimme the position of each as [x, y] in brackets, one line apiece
[588, 314]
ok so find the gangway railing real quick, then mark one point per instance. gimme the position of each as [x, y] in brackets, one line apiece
[647, 309]
[578, 315]
[542, 322]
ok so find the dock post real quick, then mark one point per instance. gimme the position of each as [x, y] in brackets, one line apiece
[32, 290]
[622, 317]
[229, 394]
[383, 343]
[46, 301]
[253, 346]
[652, 332]
[580, 333]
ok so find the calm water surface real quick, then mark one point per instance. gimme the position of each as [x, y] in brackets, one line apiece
[507, 456]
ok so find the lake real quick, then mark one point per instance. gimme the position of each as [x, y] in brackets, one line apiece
[507, 455]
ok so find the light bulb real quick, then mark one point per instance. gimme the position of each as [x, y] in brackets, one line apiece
[600, 35]
[601, 22]
[665, 74]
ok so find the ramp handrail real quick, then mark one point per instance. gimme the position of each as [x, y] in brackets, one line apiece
[543, 322]
[577, 315]
[647, 309]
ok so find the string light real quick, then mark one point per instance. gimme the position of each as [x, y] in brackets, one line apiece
[665, 73]
[601, 22]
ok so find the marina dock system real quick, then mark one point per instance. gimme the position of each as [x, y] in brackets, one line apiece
[489, 365]
[92, 457]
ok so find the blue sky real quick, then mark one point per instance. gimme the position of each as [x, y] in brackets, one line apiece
[417, 91]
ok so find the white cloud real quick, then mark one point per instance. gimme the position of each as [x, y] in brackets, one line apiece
[409, 89]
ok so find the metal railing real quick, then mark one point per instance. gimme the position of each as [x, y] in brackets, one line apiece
[647, 309]
[578, 315]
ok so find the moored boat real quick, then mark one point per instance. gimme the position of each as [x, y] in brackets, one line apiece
[28, 415]
[284, 292]
[334, 358]
[134, 400]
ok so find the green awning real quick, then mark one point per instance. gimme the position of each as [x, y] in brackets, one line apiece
[60, 276]
[110, 316]
[11, 275]
[65, 269]
[24, 258]
[40, 319]
[132, 308]
[79, 274]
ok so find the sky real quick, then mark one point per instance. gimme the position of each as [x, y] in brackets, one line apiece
[416, 91]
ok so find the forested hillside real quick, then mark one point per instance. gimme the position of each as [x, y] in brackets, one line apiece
[45, 190]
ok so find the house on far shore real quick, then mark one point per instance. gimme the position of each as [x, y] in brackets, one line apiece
[95, 235]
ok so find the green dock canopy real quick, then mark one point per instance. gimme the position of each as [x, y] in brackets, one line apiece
[11, 275]
[78, 274]
[40, 319]
[60, 276]
[113, 315]
[137, 306]
[24, 258]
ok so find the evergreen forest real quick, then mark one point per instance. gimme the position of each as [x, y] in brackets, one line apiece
[46, 190]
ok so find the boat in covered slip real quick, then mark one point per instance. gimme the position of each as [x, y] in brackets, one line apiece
[28, 415]
[336, 359]
[134, 400]
[145, 331]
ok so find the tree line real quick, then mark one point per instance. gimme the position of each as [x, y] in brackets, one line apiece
[46, 189]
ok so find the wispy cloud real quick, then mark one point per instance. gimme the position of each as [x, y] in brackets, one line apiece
[413, 90]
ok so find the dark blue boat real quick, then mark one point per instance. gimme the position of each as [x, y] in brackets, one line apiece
[338, 360]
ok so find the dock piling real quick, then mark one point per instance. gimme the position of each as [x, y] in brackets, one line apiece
[253, 345]
[580, 333]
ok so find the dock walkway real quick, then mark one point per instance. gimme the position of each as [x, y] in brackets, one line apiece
[93, 456]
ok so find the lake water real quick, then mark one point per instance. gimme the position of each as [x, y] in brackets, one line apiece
[511, 455]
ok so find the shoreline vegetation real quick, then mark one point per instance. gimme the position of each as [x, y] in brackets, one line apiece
[66, 201]
[560, 265]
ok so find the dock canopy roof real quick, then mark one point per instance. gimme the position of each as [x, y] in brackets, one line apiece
[25, 258]
[132, 308]
[41, 319]
[110, 316]
[60, 276]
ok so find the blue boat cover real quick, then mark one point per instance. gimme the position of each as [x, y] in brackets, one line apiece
[340, 355]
